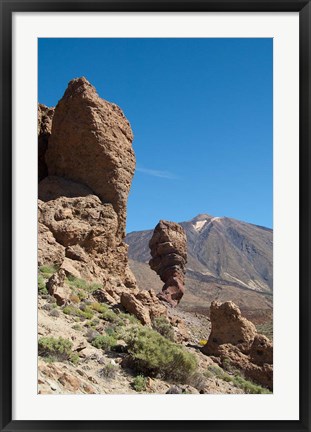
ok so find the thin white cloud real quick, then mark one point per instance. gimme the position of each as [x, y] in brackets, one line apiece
[157, 173]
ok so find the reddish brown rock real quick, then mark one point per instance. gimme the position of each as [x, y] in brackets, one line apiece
[228, 326]
[45, 116]
[49, 251]
[91, 143]
[144, 305]
[168, 247]
[82, 203]
[261, 374]
[57, 288]
[261, 350]
[234, 340]
[70, 382]
[79, 233]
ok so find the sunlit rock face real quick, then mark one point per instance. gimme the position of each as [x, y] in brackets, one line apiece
[89, 164]
[168, 247]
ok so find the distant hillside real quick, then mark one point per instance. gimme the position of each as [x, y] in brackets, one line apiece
[227, 260]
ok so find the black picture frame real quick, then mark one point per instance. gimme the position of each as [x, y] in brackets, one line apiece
[7, 9]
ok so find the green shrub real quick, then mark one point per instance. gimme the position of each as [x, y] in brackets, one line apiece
[152, 354]
[42, 289]
[162, 326]
[81, 294]
[82, 284]
[226, 364]
[92, 324]
[110, 316]
[46, 269]
[139, 383]
[76, 282]
[104, 342]
[57, 349]
[77, 327]
[248, 386]
[99, 307]
[237, 380]
[87, 313]
[113, 331]
[126, 317]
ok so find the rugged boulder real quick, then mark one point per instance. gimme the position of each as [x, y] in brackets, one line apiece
[91, 143]
[82, 202]
[85, 233]
[57, 288]
[228, 326]
[168, 247]
[234, 340]
[144, 305]
[261, 351]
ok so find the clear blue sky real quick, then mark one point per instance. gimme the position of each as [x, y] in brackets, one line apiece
[201, 113]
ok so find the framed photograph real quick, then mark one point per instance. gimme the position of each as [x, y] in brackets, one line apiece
[155, 215]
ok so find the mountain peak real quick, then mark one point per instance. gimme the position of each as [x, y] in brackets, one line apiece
[201, 217]
[200, 221]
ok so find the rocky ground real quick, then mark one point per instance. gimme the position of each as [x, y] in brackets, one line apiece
[94, 370]
[99, 331]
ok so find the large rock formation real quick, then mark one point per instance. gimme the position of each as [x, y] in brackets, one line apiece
[228, 326]
[168, 247]
[234, 339]
[82, 202]
[45, 117]
[91, 143]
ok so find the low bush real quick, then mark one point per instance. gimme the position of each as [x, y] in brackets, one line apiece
[57, 349]
[237, 380]
[154, 355]
[47, 271]
[110, 316]
[139, 383]
[126, 317]
[227, 366]
[47, 307]
[82, 284]
[162, 326]
[87, 313]
[54, 313]
[99, 307]
[42, 289]
[74, 298]
[108, 371]
[104, 342]
[198, 381]
[76, 282]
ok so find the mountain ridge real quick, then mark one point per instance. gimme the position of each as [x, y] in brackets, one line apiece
[227, 258]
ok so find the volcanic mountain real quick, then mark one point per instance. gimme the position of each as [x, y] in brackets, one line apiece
[227, 260]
